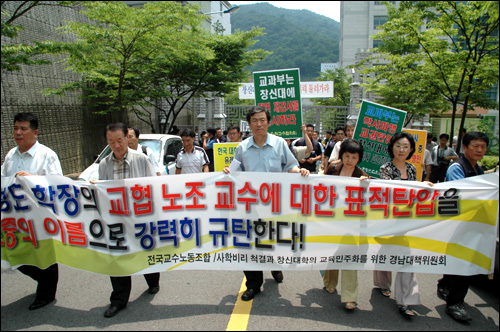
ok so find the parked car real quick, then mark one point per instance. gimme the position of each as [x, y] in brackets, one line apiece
[164, 146]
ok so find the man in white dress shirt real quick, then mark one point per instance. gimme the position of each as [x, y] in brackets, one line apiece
[133, 143]
[32, 158]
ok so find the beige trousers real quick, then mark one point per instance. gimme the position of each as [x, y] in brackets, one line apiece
[405, 286]
[348, 284]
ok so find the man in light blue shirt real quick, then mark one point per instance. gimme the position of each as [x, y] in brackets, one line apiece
[263, 152]
[271, 156]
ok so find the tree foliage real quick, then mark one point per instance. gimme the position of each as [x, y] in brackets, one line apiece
[341, 88]
[455, 58]
[233, 98]
[132, 57]
[177, 80]
[112, 51]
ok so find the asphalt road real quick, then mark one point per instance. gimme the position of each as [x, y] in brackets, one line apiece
[205, 300]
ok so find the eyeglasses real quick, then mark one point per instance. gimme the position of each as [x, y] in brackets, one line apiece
[402, 147]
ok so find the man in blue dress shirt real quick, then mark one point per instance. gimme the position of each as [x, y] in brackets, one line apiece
[263, 152]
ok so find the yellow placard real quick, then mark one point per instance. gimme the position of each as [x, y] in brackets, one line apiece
[223, 155]
[417, 159]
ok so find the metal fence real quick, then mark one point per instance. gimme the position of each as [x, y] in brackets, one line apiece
[322, 117]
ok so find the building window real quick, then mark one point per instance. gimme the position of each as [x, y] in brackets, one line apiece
[378, 21]
[492, 92]
[377, 43]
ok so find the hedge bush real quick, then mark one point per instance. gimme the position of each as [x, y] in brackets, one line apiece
[489, 162]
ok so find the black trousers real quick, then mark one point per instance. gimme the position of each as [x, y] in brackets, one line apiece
[457, 287]
[255, 279]
[123, 285]
[47, 280]
[438, 174]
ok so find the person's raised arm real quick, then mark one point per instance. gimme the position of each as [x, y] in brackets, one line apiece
[309, 145]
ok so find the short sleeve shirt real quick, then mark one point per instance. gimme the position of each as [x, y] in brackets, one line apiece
[437, 153]
[192, 162]
[39, 160]
[273, 156]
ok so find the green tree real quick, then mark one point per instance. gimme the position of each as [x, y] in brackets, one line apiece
[233, 98]
[454, 57]
[177, 80]
[112, 51]
[341, 88]
[399, 82]
[132, 57]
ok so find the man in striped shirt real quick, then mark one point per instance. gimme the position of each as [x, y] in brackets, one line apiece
[192, 158]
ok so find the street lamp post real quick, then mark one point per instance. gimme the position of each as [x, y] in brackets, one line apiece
[233, 9]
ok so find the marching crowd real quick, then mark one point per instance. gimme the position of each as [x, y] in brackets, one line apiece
[338, 155]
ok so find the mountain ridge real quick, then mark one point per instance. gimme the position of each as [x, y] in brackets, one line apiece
[298, 38]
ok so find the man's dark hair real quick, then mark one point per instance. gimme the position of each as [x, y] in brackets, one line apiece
[475, 135]
[117, 126]
[136, 131]
[27, 117]
[231, 127]
[398, 136]
[257, 109]
[310, 125]
[352, 146]
[444, 136]
[188, 132]
[340, 128]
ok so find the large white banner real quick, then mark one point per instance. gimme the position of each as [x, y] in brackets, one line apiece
[250, 221]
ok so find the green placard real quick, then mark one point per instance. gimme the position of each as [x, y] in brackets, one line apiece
[375, 127]
[279, 91]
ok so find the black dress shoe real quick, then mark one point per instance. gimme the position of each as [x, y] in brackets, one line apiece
[249, 294]
[37, 304]
[278, 276]
[154, 290]
[112, 310]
